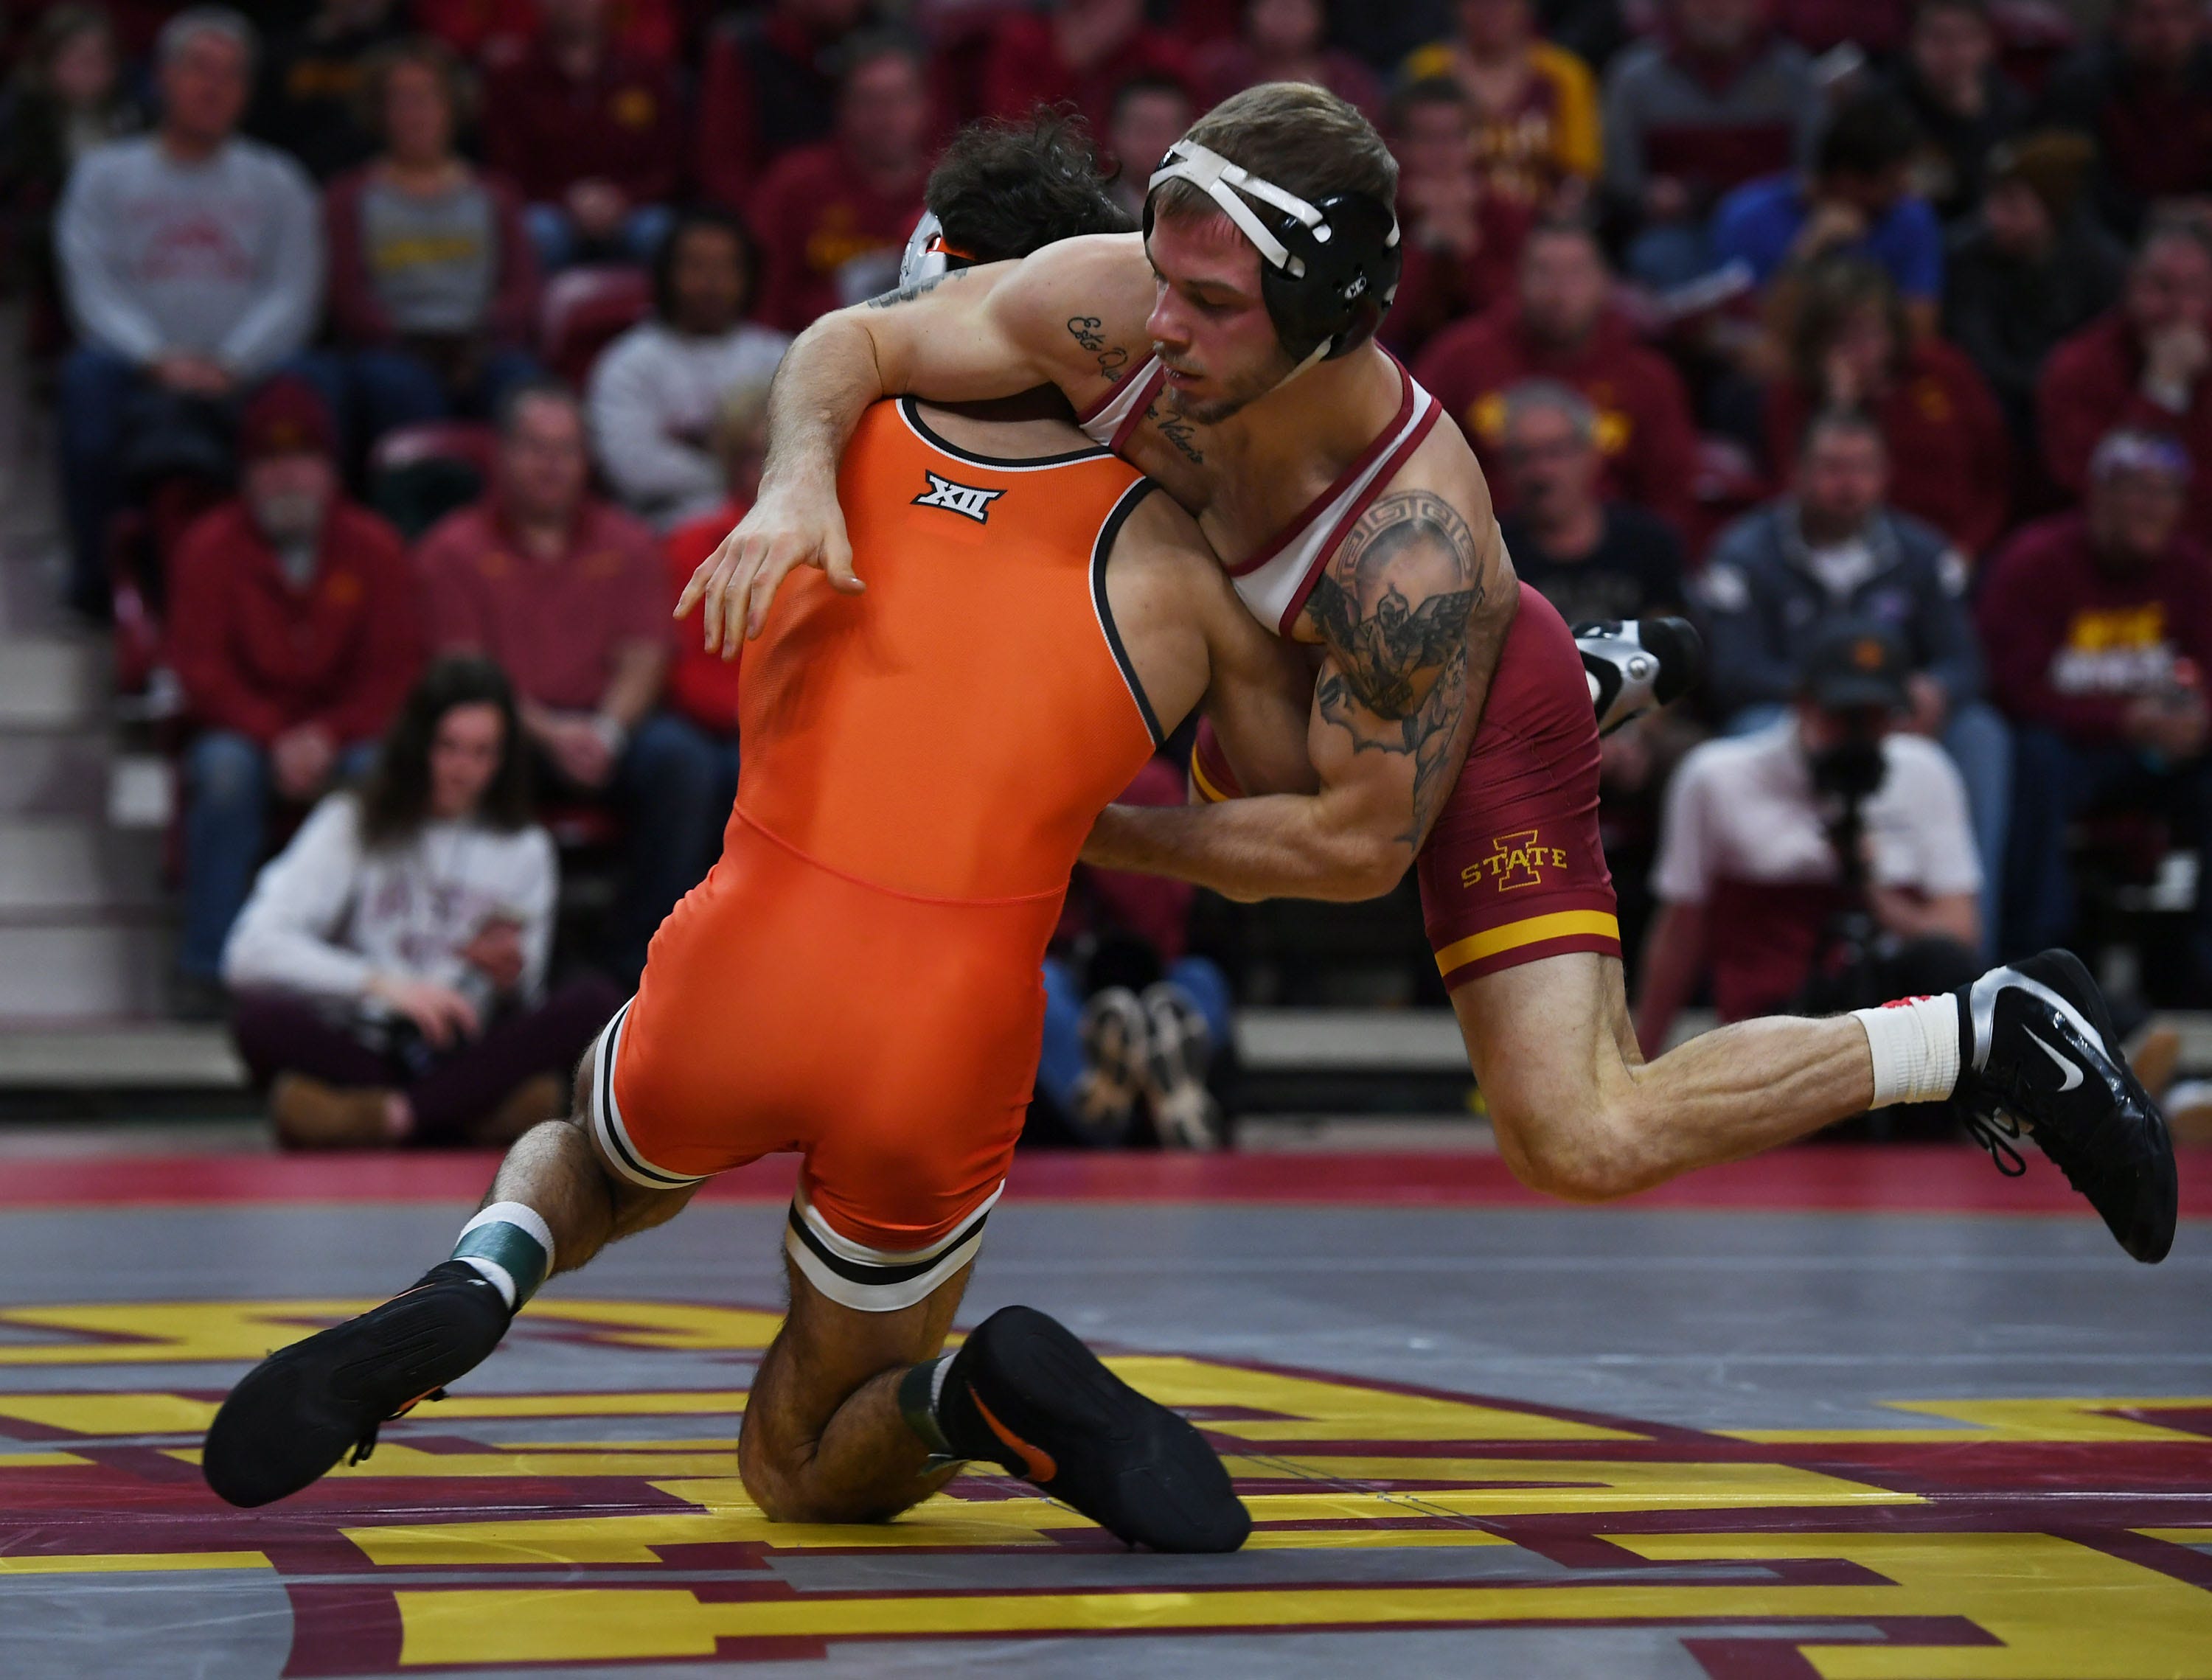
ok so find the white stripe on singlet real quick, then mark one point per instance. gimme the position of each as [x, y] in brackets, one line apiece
[1276, 580]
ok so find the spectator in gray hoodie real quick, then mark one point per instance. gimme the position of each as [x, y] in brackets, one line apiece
[1832, 548]
[192, 263]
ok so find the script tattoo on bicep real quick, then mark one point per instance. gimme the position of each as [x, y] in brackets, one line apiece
[1089, 331]
[1392, 606]
[919, 289]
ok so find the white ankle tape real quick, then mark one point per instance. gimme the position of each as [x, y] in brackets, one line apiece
[509, 1244]
[1915, 1044]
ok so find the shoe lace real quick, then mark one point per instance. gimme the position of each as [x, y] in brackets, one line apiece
[1997, 1131]
[1995, 1128]
[366, 1444]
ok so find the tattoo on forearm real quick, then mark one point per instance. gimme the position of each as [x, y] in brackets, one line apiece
[1088, 331]
[920, 288]
[1392, 606]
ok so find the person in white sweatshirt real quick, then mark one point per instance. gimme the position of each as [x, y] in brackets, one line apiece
[388, 972]
[656, 391]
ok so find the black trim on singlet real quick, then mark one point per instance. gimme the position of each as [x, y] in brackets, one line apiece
[911, 407]
[1101, 551]
[612, 1130]
[872, 1273]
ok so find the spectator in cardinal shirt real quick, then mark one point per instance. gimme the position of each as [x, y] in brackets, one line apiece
[2099, 625]
[1149, 114]
[1283, 40]
[657, 391]
[702, 687]
[836, 215]
[1848, 347]
[592, 136]
[1714, 100]
[498, 29]
[768, 87]
[2144, 95]
[1461, 244]
[569, 595]
[1079, 51]
[2147, 365]
[1561, 326]
[293, 632]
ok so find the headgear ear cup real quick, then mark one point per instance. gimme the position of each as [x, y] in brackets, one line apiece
[1681, 652]
[1351, 262]
[924, 257]
[1328, 272]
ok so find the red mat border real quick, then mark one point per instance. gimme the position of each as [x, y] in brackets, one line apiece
[1811, 1178]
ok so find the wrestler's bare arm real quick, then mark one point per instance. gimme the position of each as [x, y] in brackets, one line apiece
[1412, 609]
[1193, 645]
[1062, 317]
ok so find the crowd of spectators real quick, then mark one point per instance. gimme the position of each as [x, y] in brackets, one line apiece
[1794, 313]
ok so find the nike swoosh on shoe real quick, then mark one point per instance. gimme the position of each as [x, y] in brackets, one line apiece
[1039, 1463]
[2072, 1072]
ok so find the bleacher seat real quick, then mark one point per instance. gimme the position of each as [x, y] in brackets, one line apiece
[584, 309]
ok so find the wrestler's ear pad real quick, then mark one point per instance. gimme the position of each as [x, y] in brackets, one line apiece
[1681, 654]
[1352, 268]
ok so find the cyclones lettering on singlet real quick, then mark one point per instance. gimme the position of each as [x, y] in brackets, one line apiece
[1275, 581]
[919, 737]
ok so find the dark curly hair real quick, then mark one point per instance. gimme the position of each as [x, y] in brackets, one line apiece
[395, 803]
[1002, 189]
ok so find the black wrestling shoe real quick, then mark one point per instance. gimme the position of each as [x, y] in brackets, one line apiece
[1638, 665]
[2044, 1056]
[1024, 1393]
[299, 1411]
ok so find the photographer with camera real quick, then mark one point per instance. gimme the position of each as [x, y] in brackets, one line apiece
[1822, 863]
[1834, 547]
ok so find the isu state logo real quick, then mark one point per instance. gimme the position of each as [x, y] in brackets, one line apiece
[579, 1506]
[962, 499]
[1515, 861]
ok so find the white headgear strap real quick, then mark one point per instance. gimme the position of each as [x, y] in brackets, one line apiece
[1223, 181]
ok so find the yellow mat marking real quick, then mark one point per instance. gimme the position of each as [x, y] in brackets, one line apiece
[2060, 1611]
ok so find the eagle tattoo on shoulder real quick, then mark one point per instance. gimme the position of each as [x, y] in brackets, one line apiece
[1392, 606]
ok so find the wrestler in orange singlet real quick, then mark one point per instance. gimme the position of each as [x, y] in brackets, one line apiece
[857, 981]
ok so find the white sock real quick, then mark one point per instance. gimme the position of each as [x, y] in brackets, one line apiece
[1915, 1041]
